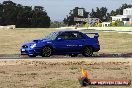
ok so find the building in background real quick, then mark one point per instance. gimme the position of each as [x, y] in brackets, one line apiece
[126, 18]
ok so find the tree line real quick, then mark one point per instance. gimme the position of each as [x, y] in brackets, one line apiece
[23, 16]
[37, 17]
[101, 13]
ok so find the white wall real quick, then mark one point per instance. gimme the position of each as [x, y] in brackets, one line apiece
[127, 11]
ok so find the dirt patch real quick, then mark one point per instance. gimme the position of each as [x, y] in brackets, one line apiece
[59, 73]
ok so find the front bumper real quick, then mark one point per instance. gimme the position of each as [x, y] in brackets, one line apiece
[29, 51]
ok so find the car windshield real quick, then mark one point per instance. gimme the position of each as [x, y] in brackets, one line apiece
[52, 36]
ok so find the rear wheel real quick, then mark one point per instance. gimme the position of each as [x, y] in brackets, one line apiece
[87, 51]
[46, 51]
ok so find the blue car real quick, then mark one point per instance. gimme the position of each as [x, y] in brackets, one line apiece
[63, 43]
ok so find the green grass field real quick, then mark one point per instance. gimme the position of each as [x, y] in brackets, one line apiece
[111, 43]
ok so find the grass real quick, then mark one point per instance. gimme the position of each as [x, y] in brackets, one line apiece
[61, 73]
[11, 40]
[115, 43]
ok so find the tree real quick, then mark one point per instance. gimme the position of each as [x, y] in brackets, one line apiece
[40, 17]
[1, 14]
[23, 16]
[9, 13]
[100, 13]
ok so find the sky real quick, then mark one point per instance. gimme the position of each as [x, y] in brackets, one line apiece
[58, 9]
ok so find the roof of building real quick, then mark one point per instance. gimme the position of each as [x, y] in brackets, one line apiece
[122, 16]
[128, 8]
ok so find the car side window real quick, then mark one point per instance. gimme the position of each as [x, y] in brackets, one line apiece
[71, 35]
[63, 36]
[76, 35]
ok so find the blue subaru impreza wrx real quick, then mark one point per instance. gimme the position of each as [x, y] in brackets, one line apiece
[62, 43]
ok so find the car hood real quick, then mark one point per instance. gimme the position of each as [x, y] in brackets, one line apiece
[41, 40]
[37, 41]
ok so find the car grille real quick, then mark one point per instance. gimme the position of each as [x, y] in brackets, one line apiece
[24, 46]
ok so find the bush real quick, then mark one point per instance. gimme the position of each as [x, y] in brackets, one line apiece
[117, 23]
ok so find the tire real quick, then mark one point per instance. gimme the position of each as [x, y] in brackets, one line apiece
[46, 51]
[73, 55]
[87, 51]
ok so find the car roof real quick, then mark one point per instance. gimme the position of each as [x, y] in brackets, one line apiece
[68, 31]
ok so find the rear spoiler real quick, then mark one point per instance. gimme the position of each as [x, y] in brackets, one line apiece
[95, 34]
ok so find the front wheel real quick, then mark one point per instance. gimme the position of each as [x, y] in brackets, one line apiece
[87, 51]
[46, 51]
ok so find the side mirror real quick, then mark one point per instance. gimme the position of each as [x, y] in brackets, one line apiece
[59, 39]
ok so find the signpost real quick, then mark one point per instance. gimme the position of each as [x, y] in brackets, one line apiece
[80, 12]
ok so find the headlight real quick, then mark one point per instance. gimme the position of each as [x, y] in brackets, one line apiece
[33, 45]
